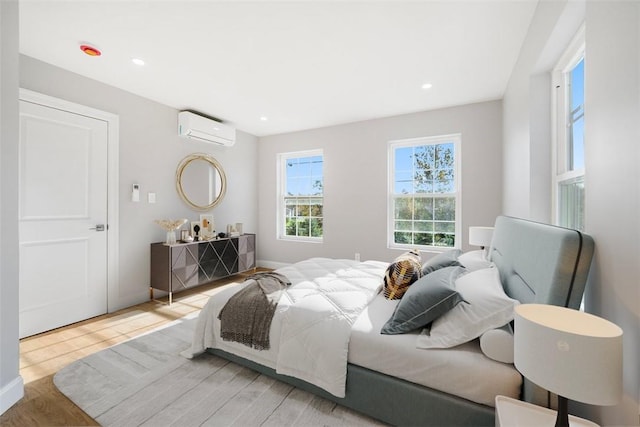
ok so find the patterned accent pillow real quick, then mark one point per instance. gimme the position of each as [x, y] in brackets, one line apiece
[402, 272]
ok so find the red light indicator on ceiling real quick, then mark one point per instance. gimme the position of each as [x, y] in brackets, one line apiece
[90, 50]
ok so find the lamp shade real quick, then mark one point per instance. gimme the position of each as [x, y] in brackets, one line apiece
[480, 236]
[568, 352]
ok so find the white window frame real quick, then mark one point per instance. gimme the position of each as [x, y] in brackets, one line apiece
[562, 172]
[456, 139]
[282, 186]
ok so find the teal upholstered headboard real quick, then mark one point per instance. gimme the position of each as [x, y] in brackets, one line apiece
[541, 263]
[544, 264]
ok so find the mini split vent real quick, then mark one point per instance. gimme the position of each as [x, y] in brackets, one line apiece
[193, 126]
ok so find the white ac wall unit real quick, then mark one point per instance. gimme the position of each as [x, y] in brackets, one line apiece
[202, 128]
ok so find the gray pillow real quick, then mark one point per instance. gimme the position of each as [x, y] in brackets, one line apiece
[427, 299]
[445, 259]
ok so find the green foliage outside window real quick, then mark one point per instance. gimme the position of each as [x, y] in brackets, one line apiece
[424, 195]
[303, 217]
[303, 197]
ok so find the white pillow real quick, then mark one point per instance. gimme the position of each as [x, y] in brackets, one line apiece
[485, 307]
[474, 260]
[497, 344]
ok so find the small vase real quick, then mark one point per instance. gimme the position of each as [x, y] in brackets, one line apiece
[171, 237]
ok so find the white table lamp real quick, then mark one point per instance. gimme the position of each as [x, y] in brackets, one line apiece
[480, 236]
[573, 354]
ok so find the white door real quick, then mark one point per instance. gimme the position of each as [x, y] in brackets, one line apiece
[62, 208]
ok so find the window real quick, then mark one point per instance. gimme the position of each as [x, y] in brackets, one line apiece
[569, 185]
[424, 188]
[301, 188]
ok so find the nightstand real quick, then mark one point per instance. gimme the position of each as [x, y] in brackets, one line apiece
[516, 413]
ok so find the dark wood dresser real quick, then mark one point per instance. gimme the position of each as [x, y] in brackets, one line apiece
[184, 265]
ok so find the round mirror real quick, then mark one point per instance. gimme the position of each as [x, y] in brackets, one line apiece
[200, 181]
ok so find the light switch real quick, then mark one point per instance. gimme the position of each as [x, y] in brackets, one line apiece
[151, 197]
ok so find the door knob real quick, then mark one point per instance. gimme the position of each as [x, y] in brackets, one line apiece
[99, 227]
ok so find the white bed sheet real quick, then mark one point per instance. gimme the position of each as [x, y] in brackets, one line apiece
[462, 371]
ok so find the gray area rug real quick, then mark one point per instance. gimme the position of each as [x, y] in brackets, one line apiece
[145, 381]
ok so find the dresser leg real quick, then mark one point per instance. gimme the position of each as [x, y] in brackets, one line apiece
[158, 301]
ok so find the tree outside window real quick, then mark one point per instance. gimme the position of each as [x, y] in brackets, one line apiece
[424, 192]
[301, 178]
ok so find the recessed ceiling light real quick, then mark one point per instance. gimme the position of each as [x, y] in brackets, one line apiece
[137, 61]
[264, 119]
[427, 86]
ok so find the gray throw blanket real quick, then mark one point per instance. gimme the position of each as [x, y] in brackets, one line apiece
[246, 317]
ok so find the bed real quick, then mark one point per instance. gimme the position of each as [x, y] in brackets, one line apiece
[385, 376]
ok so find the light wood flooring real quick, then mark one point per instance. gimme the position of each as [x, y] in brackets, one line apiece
[42, 355]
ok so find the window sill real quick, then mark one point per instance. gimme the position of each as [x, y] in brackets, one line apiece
[301, 239]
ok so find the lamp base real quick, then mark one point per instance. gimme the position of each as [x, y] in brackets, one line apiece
[511, 412]
[562, 419]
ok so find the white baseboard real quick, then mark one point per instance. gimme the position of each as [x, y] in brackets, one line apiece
[129, 300]
[271, 264]
[11, 393]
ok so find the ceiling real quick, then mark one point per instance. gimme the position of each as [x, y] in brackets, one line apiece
[300, 65]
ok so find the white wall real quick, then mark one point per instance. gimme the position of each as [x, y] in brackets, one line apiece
[526, 120]
[355, 173]
[11, 386]
[612, 182]
[612, 147]
[150, 150]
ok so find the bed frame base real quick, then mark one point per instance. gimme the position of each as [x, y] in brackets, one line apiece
[388, 399]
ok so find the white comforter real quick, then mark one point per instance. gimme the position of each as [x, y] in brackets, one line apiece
[311, 327]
